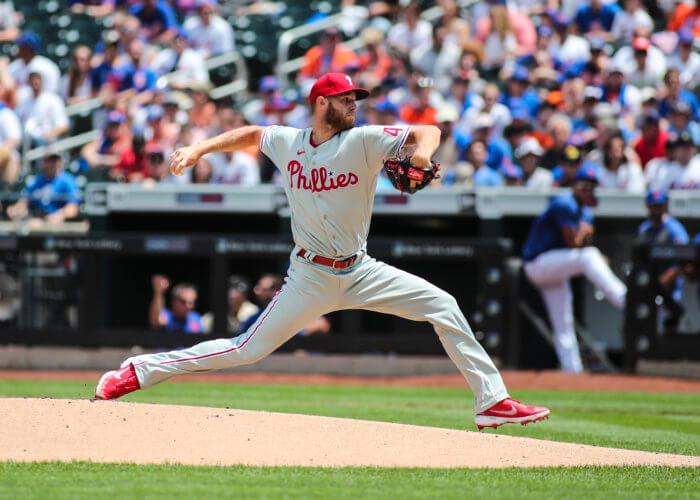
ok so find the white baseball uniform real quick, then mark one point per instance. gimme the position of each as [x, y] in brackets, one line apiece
[549, 265]
[330, 188]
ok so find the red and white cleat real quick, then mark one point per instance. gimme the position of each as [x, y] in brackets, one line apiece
[510, 411]
[116, 383]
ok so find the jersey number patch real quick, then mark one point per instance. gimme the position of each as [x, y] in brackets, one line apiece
[392, 131]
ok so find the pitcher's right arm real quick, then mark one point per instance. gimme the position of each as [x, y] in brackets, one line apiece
[232, 140]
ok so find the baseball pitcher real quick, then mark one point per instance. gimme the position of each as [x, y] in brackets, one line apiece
[330, 173]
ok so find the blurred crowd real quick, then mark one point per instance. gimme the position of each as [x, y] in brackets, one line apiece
[525, 93]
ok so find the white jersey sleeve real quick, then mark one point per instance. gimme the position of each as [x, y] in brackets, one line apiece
[380, 141]
[277, 142]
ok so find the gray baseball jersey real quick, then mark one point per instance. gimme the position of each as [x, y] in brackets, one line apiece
[330, 188]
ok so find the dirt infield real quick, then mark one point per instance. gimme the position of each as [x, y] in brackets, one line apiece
[110, 431]
[543, 380]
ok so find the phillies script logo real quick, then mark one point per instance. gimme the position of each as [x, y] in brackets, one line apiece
[320, 179]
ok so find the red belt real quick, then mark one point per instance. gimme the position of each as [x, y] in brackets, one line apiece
[325, 261]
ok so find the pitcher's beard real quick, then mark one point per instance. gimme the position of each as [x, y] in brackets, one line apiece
[337, 120]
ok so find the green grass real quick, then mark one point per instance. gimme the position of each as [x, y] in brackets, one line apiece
[654, 422]
[643, 421]
[89, 481]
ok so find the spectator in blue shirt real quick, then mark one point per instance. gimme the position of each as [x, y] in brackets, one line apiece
[675, 93]
[484, 176]
[497, 147]
[158, 21]
[597, 16]
[519, 91]
[133, 81]
[100, 74]
[53, 196]
[661, 228]
[680, 120]
[181, 317]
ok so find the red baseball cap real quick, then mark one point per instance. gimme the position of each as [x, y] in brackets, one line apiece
[641, 43]
[333, 84]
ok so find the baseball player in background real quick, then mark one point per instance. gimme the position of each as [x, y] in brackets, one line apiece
[330, 173]
[661, 228]
[559, 248]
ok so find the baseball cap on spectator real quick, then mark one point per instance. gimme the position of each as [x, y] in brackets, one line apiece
[597, 43]
[110, 37]
[269, 82]
[555, 98]
[447, 114]
[587, 173]
[238, 283]
[641, 43]
[425, 83]
[171, 99]
[372, 35]
[331, 32]
[30, 40]
[208, 3]
[154, 112]
[380, 23]
[561, 20]
[569, 72]
[615, 67]
[672, 141]
[685, 35]
[199, 87]
[352, 66]
[52, 152]
[682, 107]
[593, 93]
[521, 74]
[529, 146]
[685, 139]
[511, 171]
[154, 149]
[647, 94]
[602, 111]
[544, 30]
[483, 120]
[278, 102]
[332, 84]
[115, 117]
[572, 154]
[656, 197]
[384, 105]
[650, 118]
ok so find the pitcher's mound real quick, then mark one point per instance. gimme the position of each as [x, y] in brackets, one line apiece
[110, 431]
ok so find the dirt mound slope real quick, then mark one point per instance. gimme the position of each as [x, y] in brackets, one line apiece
[111, 431]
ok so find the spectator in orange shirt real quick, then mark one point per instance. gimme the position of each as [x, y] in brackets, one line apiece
[329, 56]
[203, 110]
[686, 16]
[421, 112]
[375, 60]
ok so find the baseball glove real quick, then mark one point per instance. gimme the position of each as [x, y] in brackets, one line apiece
[401, 172]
